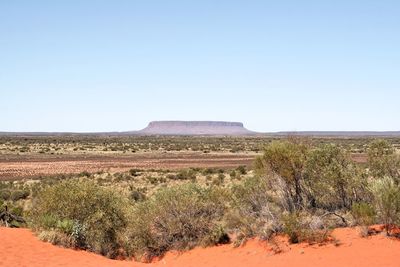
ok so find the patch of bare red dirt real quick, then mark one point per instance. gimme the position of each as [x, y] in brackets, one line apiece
[19, 247]
[15, 167]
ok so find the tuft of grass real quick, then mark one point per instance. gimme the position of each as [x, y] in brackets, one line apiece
[304, 228]
[364, 215]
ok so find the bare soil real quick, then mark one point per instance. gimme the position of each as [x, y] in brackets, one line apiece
[14, 167]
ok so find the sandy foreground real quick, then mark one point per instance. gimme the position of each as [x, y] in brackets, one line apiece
[19, 247]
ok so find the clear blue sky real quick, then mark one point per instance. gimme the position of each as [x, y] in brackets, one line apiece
[274, 65]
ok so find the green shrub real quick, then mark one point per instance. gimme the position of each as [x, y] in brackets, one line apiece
[153, 180]
[5, 194]
[387, 200]
[183, 175]
[283, 164]
[65, 226]
[16, 210]
[331, 178]
[84, 174]
[253, 210]
[242, 169]
[179, 217]
[292, 227]
[383, 161]
[363, 213]
[19, 194]
[99, 213]
[136, 195]
[305, 228]
[208, 171]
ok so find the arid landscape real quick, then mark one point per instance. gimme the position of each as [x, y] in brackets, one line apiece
[200, 133]
[143, 169]
[35, 156]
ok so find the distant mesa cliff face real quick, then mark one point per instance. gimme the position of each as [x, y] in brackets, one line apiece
[195, 128]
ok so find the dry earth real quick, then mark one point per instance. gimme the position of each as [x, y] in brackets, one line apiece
[14, 167]
[30, 166]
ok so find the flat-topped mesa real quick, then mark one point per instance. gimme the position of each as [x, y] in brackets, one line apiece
[195, 128]
[195, 123]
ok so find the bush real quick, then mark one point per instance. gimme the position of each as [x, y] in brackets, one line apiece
[95, 215]
[5, 194]
[363, 213]
[134, 172]
[387, 200]
[383, 161]
[84, 174]
[179, 217]
[292, 227]
[153, 180]
[16, 210]
[305, 228]
[183, 175]
[331, 178]
[253, 210]
[208, 171]
[219, 179]
[283, 164]
[241, 169]
[19, 194]
[137, 196]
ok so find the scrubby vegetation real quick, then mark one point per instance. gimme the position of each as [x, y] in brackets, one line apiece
[324, 179]
[95, 144]
[254, 211]
[81, 214]
[177, 218]
[297, 187]
[387, 201]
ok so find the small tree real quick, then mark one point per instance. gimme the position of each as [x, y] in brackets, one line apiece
[331, 177]
[285, 160]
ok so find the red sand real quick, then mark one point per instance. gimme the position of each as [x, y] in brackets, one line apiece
[19, 247]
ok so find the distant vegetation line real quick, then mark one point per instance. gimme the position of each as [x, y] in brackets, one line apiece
[264, 134]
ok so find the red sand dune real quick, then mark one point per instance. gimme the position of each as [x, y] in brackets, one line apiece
[19, 247]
